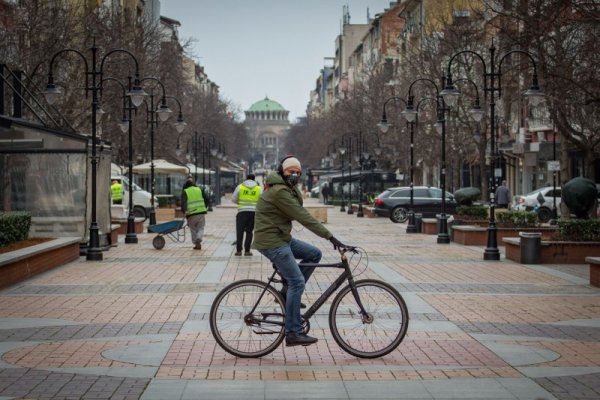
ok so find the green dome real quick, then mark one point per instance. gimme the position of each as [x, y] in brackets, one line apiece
[266, 105]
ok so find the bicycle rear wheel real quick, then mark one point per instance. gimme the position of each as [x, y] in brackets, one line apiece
[375, 334]
[244, 333]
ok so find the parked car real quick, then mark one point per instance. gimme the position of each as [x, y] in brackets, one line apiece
[541, 201]
[394, 202]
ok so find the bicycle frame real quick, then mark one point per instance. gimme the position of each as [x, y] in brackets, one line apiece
[312, 310]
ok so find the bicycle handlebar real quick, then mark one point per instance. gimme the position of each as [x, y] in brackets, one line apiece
[346, 249]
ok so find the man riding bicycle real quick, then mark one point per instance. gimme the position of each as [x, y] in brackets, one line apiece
[277, 207]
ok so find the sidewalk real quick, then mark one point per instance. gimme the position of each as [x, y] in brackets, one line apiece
[135, 325]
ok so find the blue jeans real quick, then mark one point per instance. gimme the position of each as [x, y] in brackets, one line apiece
[284, 258]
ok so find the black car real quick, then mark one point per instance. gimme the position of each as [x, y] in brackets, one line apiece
[394, 202]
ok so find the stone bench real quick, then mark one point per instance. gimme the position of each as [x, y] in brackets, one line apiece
[594, 270]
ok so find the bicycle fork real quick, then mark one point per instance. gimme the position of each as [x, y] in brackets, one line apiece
[366, 318]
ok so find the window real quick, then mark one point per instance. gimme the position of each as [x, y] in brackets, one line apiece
[401, 193]
[421, 193]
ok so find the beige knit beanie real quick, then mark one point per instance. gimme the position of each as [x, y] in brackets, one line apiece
[291, 162]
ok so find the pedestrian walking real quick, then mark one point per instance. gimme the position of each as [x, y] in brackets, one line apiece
[116, 192]
[194, 203]
[278, 206]
[245, 195]
[503, 196]
[325, 193]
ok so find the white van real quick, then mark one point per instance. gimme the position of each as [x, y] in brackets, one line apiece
[141, 198]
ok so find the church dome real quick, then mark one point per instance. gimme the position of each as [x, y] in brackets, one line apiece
[266, 105]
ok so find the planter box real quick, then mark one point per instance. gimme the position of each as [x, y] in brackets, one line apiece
[471, 235]
[429, 226]
[138, 226]
[165, 214]
[594, 270]
[554, 252]
[318, 212]
[22, 264]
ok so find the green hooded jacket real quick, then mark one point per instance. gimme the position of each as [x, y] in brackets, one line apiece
[277, 207]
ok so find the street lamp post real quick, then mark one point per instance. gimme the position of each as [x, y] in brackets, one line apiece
[210, 153]
[410, 113]
[554, 211]
[491, 85]
[384, 127]
[94, 253]
[347, 148]
[194, 141]
[125, 125]
[342, 151]
[163, 112]
[360, 157]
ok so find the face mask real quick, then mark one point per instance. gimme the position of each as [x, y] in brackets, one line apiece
[292, 179]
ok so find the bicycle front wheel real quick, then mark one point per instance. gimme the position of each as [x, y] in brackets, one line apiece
[378, 332]
[241, 331]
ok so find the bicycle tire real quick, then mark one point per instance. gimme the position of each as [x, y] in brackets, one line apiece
[239, 336]
[370, 339]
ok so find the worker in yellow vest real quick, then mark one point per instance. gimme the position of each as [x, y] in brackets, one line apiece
[116, 192]
[194, 203]
[246, 196]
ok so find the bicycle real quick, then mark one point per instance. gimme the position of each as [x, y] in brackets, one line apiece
[368, 318]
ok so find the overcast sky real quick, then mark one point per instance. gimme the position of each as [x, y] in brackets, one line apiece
[258, 48]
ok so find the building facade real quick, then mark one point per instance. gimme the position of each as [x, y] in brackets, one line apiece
[267, 124]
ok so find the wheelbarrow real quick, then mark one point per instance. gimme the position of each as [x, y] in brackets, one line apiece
[174, 230]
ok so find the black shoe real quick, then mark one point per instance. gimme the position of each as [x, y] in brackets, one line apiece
[302, 305]
[299, 339]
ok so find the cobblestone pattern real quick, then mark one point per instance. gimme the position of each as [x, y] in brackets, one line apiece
[28, 383]
[88, 331]
[237, 272]
[577, 387]
[137, 290]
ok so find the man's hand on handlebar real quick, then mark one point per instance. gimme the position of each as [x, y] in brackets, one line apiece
[337, 245]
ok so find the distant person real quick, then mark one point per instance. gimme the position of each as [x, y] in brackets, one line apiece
[503, 196]
[246, 196]
[116, 192]
[325, 193]
[194, 205]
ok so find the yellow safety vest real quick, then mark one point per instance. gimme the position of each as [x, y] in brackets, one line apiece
[116, 191]
[248, 197]
[195, 202]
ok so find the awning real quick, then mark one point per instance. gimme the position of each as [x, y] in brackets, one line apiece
[161, 167]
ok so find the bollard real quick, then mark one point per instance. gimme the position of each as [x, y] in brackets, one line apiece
[531, 247]
[419, 222]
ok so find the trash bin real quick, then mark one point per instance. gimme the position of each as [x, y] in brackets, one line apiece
[419, 222]
[531, 247]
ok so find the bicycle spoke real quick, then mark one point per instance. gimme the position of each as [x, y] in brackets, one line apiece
[380, 331]
[247, 337]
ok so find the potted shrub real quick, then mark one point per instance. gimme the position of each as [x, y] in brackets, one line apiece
[516, 219]
[468, 211]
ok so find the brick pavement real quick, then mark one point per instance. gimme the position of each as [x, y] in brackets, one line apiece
[135, 325]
